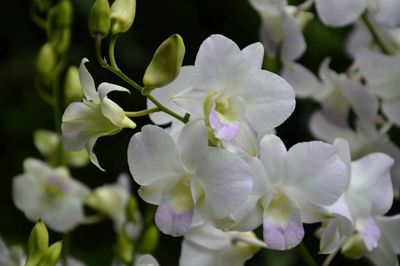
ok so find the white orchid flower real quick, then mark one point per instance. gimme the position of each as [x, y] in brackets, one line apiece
[337, 93]
[368, 194]
[112, 200]
[83, 123]
[187, 175]
[42, 192]
[206, 245]
[363, 140]
[231, 91]
[11, 256]
[291, 186]
[381, 74]
[281, 28]
[343, 12]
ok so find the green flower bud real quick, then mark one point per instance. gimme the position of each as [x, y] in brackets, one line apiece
[37, 243]
[52, 255]
[65, 13]
[122, 15]
[354, 247]
[124, 248]
[149, 241]
[166, 63]
[63, 41]
[46, 62]
[132, 210]
[99, 18]
[72, 86]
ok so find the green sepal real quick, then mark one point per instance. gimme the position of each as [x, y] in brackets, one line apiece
[52, 255]
[37, 244]
[149, 240]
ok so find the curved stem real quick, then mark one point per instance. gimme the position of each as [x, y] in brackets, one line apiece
[375, 35]
[111, 49]
[142, 113]
[305, 254]
[139, 88]
[41, 23]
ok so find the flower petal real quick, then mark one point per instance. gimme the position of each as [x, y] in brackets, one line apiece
[64, 214]
[92, 155]
[266, 95]
[87, 82]
[293, 45]
[340, 12]
[115, 114]
[273, 155]
[388, 13]
[369, 231]
[315, 173]
[105, 88]
[304, 82]
[171, 222]
[391, 108]
[282, 231]
[255, 54]
[153, 156]
[370, 191]
[226, 179]
[192, 143]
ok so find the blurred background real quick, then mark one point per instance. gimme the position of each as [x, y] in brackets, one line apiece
[22, 110]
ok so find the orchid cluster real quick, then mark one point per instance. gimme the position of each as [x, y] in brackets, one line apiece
[212, 162]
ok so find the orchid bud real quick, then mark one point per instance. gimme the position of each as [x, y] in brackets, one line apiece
[124, 248]
[99, 18]
[42, 5]
[122, 15]
[149, 240]
[46, 61]
[354, 247]
[72, 86]
[37, 243]
[52, 255]
[166, 63]
[64, 11]
[63, 41]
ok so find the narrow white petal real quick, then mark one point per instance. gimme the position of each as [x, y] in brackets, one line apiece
[105, 88]
[293, 45]
[87, 82]
[93, 158]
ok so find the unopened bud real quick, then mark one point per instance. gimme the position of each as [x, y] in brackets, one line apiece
[122, 15]
[72, 86]
[166, 63]
[63, 41]
[46, 61]
[354, 247]
[124, 248]
[42, 5]
[149, 241]
[65, 13]
[52, 255]
[99, 18]
[37, 243]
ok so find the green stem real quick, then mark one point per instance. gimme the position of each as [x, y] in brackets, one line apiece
[375, 35]
[41, 23]
[139, 88]
[65, 248]
[111, 50]
[305, 254]
[143, 112]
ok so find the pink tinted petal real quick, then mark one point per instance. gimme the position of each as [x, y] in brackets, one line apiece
[369, 232]
[172, 223]
[283, 237]
[223, 130]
